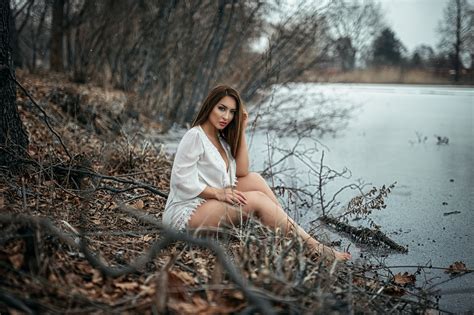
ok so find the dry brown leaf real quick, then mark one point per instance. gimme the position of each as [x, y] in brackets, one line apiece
[139, 204]
[89, 285]
[404, 279]
[127, 219]
[358, 281]
[96, 221]
[148, 290]
[238, 295]
[184, 277]
[96, 276]
[52, 278]
[126, 285]
[457, 267]
[373, 284]
[17, 260]
[147, 238]
[200, 306]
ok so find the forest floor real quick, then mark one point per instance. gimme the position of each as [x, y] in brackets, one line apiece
[81, 229]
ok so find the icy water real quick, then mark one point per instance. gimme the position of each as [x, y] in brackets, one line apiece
[393, 137]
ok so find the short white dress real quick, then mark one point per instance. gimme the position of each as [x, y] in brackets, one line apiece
[197, 164]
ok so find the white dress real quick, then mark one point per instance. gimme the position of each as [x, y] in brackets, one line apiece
[197, 164]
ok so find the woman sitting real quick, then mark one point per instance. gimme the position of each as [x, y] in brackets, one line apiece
[210, 179]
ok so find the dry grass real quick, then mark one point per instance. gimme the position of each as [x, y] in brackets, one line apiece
[383, 75]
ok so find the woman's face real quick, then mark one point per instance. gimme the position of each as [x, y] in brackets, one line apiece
[223, 112]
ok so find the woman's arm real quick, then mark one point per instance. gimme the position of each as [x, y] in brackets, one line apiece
[242, 157]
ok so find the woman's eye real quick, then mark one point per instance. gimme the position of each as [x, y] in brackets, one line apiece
[221, 109]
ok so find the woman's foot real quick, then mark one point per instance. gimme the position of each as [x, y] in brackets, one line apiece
[329, 254]
[343, 256]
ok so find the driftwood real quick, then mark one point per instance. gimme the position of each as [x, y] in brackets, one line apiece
[364, 234]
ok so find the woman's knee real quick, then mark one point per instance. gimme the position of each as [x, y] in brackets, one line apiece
[254, 195]
[255, 177]
[257, 201]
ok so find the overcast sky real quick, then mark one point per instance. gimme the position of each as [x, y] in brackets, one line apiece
[414, 21]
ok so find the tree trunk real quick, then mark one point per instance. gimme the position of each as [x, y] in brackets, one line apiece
[13, 138]
[204, 74]
[17, 58]
[457, 57]
[56, 54]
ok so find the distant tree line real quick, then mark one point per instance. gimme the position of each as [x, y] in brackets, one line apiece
[455, 49]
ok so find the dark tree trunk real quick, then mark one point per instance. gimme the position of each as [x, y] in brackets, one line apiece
[204, 75]
[17, 60]
[57, 24]
[13, 138]
[457, 48]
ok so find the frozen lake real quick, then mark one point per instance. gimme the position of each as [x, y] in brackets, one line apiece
[393, 137]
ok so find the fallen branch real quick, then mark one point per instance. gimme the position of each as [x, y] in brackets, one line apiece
[91, 173]
[363, 234]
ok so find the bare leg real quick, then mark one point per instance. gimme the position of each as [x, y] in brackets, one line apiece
[255, 182]
[212, 213]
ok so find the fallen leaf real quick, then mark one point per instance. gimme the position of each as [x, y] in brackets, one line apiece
[16, 260]
[457, 267]
[89, 285]
[96, 276]
[184, 277]
[358, 281]
[147, 238]
[237, 295]
[127, 219]
[404, 279]
[200, 306]
[139, 204]
[96, 221]
[148, 290]
[126, 285]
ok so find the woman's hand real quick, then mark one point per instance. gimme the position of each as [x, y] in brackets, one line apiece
[231, 196]
[245, 119]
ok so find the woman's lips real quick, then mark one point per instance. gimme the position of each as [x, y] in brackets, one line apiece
[223, 124]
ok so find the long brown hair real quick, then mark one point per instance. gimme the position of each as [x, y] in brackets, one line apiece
[232, 132]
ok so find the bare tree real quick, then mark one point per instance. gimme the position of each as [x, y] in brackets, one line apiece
[57, 24]
[455, 31]
[356, 21]
[13, 138]
[172, 52]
